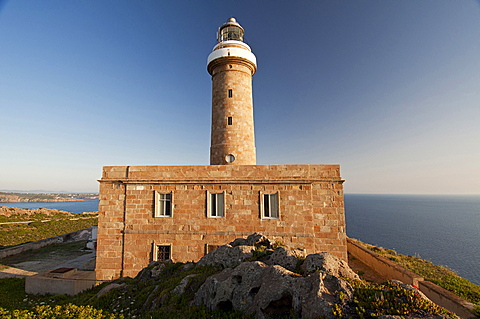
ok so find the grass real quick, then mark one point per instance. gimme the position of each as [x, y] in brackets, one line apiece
[16, 234]
[148, 297]
[12, 293]
[373, 300]
[135, 300]
[72, 250]
[439, 275]
[39, 216]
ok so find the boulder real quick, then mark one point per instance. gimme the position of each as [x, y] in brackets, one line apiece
[273, 291]
[286, 257]
[110, 287]
[153, 270]
[227, 256]
[254, 239]
[180, 289]
[329, 264]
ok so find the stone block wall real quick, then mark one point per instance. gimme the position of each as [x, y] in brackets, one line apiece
[311, 211]
[232, 75]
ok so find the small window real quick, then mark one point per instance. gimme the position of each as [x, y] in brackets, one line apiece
[230, 158]
[269, 205]
[163, 204]
[162, 252]
[229, 120]
[230, 93]
[216, 205]
[210, 248]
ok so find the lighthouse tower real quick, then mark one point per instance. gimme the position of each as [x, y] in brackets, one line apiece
[232, 65]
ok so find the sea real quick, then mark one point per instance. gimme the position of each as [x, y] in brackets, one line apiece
[443, 229]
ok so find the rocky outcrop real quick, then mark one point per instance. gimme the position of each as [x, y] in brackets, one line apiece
[328, 264]
[270, 287]
[286, 257]
[258, 277]
[272, 291]
[227, 256]
[255, 239]
[110, 287]
[153, 271]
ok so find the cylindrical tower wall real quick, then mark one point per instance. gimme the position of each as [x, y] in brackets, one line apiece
[232, 112]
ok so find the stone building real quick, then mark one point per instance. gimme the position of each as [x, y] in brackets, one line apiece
[149, 213]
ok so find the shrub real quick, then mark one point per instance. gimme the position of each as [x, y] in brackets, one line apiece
[69, 311]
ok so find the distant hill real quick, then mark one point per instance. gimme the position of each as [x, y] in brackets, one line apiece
[43, 197]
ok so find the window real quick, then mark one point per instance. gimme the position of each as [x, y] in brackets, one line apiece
[162, 252]
[210, 248]
[163, 204]
[230, 158]
[269, 205]
[216, 205]
[229, 120]
[230, 93]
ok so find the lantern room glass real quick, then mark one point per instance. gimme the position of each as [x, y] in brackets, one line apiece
[231, 33]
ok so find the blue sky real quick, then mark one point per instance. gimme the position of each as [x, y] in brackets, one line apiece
[390, 90]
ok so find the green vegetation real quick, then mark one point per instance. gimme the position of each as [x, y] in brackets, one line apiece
[60, 312]
[147, 297]
[68, 250]
[372, 300]
[151, 294]
[20, 215]
[16, 234]
[141, 297]
[154, 297]
[439, 275]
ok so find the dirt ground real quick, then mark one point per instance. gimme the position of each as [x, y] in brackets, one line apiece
[71, 255]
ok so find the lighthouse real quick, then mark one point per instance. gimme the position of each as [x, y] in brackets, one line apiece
[158, 213]
[232, 65]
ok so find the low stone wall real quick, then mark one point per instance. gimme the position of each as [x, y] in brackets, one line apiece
[382, 265]
[70, 283]
[392, 271]
[78, 235]
[446, 299]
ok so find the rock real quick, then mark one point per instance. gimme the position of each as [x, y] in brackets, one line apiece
[254, 239]
[153, 270]
[108, 288]
[239, 242]
[180, 289]
[227, 256]
[329, 264]
[286, 257]
[273, 291]
[411, 288]
[83, 234]
[258, 240]
[218, 290]
[157, 269]
[188, 266]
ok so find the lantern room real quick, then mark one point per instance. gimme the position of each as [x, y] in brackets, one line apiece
[230, 30]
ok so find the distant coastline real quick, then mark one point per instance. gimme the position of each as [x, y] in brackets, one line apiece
[41, 201]
[43, 197]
